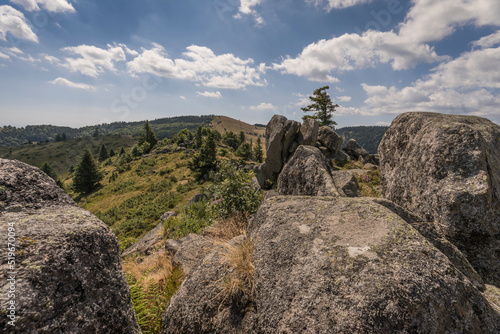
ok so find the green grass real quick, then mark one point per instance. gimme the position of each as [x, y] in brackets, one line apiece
[370, 184]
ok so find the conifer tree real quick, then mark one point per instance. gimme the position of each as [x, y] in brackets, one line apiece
[87, 175]
[49, 170]
[103, 153]
[112, 153]
[198, 137]
[323, 108]
[258, 154]
[206, 159]
[148, 139]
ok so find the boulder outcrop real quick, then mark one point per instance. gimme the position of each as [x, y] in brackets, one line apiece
[333, 265]
[346, 183]
[446, 169]
[307, 173]
[355, 150]
[144, 244]
[69, 277]
[283, 137]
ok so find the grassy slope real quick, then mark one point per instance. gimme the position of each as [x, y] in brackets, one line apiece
[62, 155]
[224, 124]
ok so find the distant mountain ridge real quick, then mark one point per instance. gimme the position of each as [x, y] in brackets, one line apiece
[163, 127]
[367, 136]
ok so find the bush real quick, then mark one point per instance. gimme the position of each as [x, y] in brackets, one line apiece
[232, 192]
[195, 218]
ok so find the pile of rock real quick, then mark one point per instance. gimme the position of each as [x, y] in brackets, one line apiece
[283, 137]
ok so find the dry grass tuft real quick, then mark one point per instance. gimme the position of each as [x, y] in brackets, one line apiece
[154, 268]
[228, 228]
[239, 282]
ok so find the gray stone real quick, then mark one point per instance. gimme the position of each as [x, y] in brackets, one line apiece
[192, 249]
[307, 173]
[275, 132]
[346, 183]
[293, 147]
[355, 150]
[291, 131]
[341, 158]
[446, 169]
[330, 139]
[370, 166]
[147, 242]
[69, 277]
[333, 265]
[308, 134]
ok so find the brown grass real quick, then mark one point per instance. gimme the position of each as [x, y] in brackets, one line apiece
[240, 280]
[156, 268]
[228, 228]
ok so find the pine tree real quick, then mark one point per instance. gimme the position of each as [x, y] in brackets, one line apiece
[323, 108]
[147, 139]
[64, 137]
[112, 153]
[87, 175]
[122, 151]
[58, 138]
[49, 170]
[96, 133]
[244, 151]
[103, 153]
[206, 159]
[242, 137]
[257, 151]
[198, 137]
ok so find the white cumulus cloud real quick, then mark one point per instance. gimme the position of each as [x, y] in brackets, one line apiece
[338, 4]
[264, 106]
[200, 64]
[468, 84]
[65, 82]
[13, 21]
[93, 60]
[216, 95]
[344, 98]
[247, 7]
[56, 6]
[427, 21]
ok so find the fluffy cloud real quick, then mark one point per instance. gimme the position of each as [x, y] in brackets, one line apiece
[427, 21]
[466, 85]
[264, 106]
[216, 95]
[246, 7]
[93, 60]
[13, 21]
[199, 64]
[344, 98]
[338, 4]
[65, 82]
[488, 41]
[49, 5]
[353, 51]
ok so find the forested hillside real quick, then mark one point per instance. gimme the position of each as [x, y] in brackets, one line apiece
[367, 136]
[163, 127]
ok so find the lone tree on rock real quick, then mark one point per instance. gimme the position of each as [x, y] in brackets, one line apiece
[323, 108]
[87, 175]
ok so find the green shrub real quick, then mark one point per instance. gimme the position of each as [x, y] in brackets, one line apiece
[195, 218]
[232, 192]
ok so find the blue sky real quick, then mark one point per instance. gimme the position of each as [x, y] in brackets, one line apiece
[86, 62]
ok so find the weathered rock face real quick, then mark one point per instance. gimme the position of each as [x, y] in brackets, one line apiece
[346, 183]
[291, 131]
[334, 265]
[308, 134]
[446, 169]
[341, 158]
[192, 249]
[275, 131]
[69, 276]
[307, 173]
[330, 139]
[144, 244]
[355, 150]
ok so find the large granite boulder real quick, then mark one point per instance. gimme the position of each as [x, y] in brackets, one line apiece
[355, 150]
[329, 139]
[308, 134]
[333, 265]
[307, 173]
[291, 130]
[346, 183]
[275, 130]
[446, 169]
[69, 278]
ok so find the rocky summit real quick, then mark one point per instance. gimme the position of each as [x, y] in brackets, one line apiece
[69, 276]
[446, 169]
